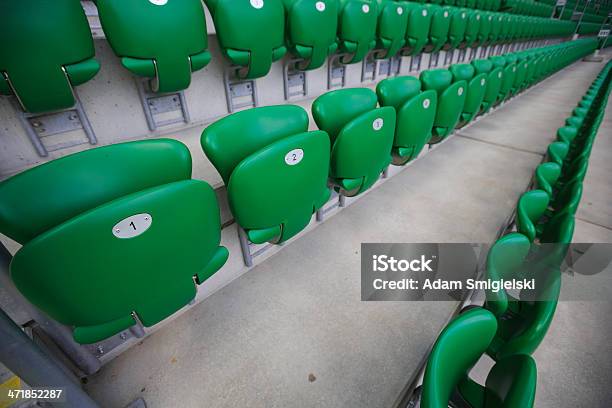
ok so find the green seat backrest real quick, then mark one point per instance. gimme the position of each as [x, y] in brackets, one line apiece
[575, 121]
[504, 261]
[275, 170]
[311, 30]
[361, 137]
[531, 207]
[415, 111]
[568, 197]
[494, 77]
[567, 134]
[451, 98]
[456, 30]
[557, 152]
[508, 79]
[170, 52]
[251, 33]
[46, 50]
[440, 24]
[472, 27]
[476, 87]
[546, 176]
[391, 29]
[496, 26]
[485, 27]
[417, 31]
[101, 258]
[457, 349]
[559, 229]
[357, 28]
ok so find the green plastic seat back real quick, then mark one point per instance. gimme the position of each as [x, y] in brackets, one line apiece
[457, 27]
[391, 29]
[568, 197]
[472, 27]
[95, 260]
[45, 52]
[546, 176]
[440, 24]
[311, 30]
[531, 207]
[451, 98]
[559, 229]
[476, 86]
[504, 261]
[251, 33]
[574, 121]
[361, 136]
[494, 76]
[417, 31]
[557, 152]
[521, 75]
[496, 25]
[357, 28]
[567, 134]
[456, 351]
[176, 46]
[275, 170]
[508, 79]
[415, 111]
[485, 27]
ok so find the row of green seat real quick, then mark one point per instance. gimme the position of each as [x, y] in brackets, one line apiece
[252, 35]
[133, 249]
[506, 328]
[359, 136]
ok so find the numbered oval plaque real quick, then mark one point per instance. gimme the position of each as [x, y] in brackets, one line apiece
[320, 6]
[257, 3]
[159, 2]
[294, 157]
[133, 226]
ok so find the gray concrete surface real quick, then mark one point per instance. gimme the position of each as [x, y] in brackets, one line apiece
[292, 331]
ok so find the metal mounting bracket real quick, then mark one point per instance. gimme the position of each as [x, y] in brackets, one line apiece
[161, 109]
[45, 131]
[294, 80]
[336, 72]
[240, 93]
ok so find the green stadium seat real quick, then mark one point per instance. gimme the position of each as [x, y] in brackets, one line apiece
[546, 176]
[521, 324]
[391, 29]
[275, 171]
[510, 383]
[475, 91]
[357, 25]
[494, 77]
[100, 260]
[567, 134]
[417, 31]
[484, 29]
[557, 152]
[505, 261]
[415, 111]
[451, 98]
[251, 33]
[169, 53]
[457, 27]
[472, 28]
[559, 229]
[361, 137]
[531, 207]
[440, 24]
[508, 75]
[45, 53]
[311, 30]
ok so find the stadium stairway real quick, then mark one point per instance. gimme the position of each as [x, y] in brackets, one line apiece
[296, 320]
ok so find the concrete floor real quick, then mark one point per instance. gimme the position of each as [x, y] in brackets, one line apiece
[292, 331]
